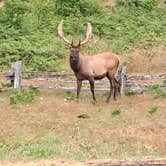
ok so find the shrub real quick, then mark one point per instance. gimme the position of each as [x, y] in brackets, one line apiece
[129, 92]
[116, 111]
[100, 109]
[157, 91]
[67, 8]
[147, 4]
[70, 95]
[153, 109]
[23, 96]
[6, 85]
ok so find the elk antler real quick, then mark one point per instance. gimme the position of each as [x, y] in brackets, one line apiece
[88, 34]
[60, 32]
[1, 3]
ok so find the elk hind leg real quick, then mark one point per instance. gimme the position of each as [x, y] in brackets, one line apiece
[118, 86]
[108, 98]
[114, 87]
[92, 86]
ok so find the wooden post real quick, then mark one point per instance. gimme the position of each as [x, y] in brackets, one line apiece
[123, 80]
[16, 68]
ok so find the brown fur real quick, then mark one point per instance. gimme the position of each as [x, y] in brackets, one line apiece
[97, 66]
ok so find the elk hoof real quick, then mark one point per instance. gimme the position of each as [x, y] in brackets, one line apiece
[77, 100]
[107, 101]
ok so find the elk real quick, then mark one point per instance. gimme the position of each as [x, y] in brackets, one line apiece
[93, 67]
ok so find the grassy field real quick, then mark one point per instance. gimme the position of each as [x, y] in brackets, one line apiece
[53, 125]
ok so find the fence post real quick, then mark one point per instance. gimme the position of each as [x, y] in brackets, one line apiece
[16, 68]
[123, 80]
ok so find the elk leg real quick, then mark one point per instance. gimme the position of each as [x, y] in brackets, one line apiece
[114, 87]
[79, 84]
[117, 85]
[92, 86]
[108, 98]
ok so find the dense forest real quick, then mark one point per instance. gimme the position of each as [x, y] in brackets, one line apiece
[28, 29]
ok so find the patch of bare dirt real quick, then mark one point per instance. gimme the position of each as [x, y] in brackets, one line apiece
[108, 2]
[67, 162]
[44, 162]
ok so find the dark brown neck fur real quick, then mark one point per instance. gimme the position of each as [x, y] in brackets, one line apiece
[74, 65]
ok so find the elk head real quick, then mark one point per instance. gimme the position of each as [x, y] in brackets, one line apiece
[74, 50]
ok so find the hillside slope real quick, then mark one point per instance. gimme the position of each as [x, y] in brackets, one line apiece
[28, 32]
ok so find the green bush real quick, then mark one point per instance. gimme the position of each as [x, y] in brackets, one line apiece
[6, 85]
[129, 92]
[100, 108]
[147, 4]
[67, 8]
[23, 96]
[153, 109]
[69, 96]
[157, 91]
[116, 111]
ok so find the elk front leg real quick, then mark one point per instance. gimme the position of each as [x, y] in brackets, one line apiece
[79, 84]
[92, 87]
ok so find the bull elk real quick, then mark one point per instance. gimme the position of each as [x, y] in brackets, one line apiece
[91, 68]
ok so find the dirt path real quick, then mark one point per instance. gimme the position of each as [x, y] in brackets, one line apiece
[68, 162]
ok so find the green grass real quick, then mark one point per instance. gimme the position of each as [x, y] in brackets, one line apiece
[100, 108]
[157, 91]
[70, 95]
[129, 92]
[6, 85]
[27, 147]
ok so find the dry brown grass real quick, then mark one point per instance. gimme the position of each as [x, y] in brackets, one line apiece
[132, 134]
[152, 60]
[108, 2]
